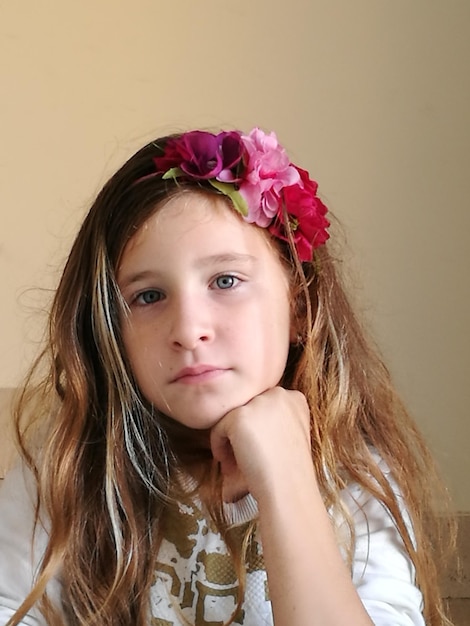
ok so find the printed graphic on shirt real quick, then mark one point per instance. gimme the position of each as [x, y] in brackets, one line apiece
[195, 581]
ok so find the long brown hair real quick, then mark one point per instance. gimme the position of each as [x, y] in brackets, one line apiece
[107, 459]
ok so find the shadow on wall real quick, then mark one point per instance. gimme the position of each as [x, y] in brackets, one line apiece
[456, 585]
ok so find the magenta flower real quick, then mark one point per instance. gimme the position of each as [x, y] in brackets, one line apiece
[268, 171]
[202, 155]
[306, 214]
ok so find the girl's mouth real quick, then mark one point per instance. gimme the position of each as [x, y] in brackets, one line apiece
[198, 374]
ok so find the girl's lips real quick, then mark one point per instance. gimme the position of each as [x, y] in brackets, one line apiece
[198, 374]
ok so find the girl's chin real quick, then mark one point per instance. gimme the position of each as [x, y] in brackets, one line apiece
[203, 420]
[194, 433]
[197, 423]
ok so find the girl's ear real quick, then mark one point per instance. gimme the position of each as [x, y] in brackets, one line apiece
[295, 336]
[294, 333]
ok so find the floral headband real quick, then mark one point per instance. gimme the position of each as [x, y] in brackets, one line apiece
[255, 172]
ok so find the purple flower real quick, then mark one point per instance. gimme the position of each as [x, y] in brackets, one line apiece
[202, 155]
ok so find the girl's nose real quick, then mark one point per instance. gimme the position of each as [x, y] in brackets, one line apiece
[190, 324]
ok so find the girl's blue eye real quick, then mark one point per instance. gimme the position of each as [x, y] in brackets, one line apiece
[150, 296]
[226, 281]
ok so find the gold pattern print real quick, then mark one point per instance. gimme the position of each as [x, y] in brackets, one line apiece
[195, 580]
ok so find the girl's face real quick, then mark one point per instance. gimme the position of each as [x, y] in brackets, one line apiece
[208, 327]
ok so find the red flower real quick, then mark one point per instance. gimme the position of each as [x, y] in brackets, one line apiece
[306, 214]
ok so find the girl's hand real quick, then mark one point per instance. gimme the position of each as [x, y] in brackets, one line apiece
[268, 441]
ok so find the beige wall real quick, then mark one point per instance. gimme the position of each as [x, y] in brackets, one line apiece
[7, 448]
[372, 96]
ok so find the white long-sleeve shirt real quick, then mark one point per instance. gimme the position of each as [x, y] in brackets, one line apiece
[194, 576]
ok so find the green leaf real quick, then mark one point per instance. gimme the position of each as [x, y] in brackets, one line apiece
[174, 172]
[235, 196]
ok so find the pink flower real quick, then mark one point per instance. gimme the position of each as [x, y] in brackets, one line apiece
[202, 155]
[306, 214]
[268, 171]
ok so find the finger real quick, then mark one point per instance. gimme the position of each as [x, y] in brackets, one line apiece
[222, 450]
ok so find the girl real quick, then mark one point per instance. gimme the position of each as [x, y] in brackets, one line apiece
[212, 440]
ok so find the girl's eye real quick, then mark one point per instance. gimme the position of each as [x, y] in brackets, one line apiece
[226, 281]
[150, 296]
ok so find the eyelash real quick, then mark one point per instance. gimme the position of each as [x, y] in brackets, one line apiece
[234, 281]
[140, 297]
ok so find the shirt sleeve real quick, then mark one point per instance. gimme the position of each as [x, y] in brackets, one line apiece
[382, 571]
[19, 553]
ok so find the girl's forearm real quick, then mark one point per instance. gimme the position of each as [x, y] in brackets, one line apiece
[308, 580]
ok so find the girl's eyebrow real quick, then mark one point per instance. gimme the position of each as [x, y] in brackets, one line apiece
[135, 277]
[229, 257]
[214, 259]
